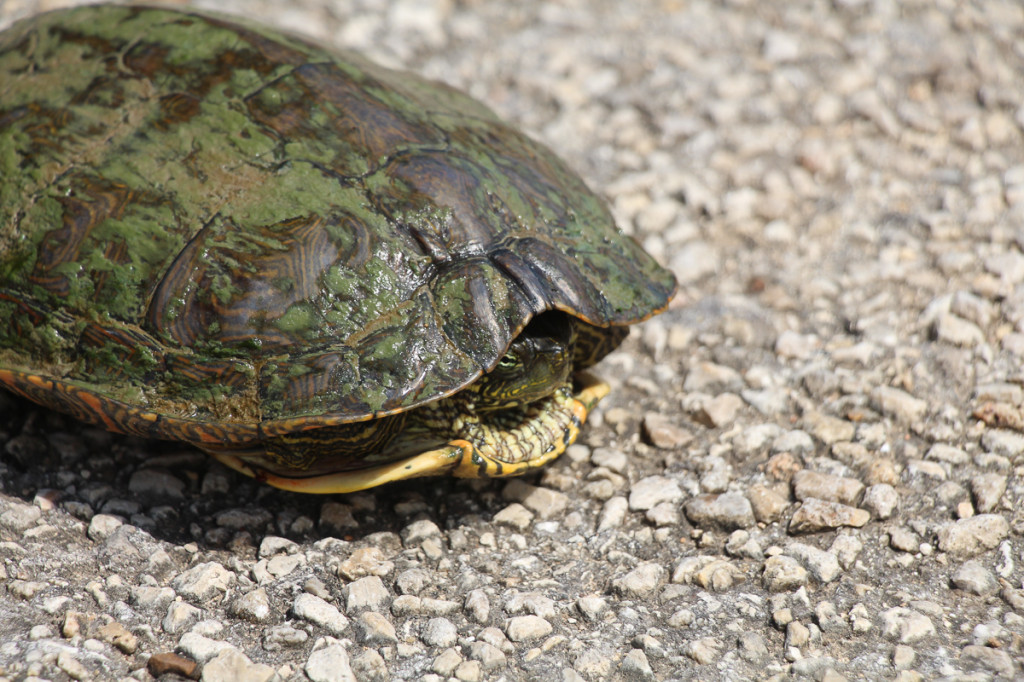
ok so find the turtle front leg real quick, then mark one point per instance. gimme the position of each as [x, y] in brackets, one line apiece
[491, 448]
[501, 446]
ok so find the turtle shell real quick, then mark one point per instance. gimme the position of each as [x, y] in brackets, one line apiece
[216, 232]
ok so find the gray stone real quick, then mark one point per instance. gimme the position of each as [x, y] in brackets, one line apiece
[180, 616]
[204, 582]
[155, 485]
[546, 503]
[727, 511]
[478, 606]
[973, 577]
[904, 539]
[592, 606]
[375, 630]
[613, 513]
[319, 612]
[370, 666]
[641, 581]
[823, 566]
[367, 593]
[329, 663]
[440, 633]
[971, 536]
[906, 625]
[995, 661]
[199, 648]
[527, 628]
[898, 404]
[283, 637]
[634, 666]
[20, 517]
[987, 491]
[1003, 442]
[253, 606]
[653, 490]
[880, 500]
[514, 516]
[489, 656]
[783, 574]
[231, 665]
[811, 484]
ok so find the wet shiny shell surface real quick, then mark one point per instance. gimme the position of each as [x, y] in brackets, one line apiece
[214, 231]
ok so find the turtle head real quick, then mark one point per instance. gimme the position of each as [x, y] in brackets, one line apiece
[537, 362]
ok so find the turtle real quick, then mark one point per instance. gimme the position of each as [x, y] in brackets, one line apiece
[327, 274]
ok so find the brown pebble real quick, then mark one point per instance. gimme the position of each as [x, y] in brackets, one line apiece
[817, 515]
[812, 484]
[882, 471]
[119, 636]
[782, 466]
[167, 662]
[768, 505]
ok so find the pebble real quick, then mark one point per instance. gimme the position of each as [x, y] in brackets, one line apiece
[527, 628]
[957, 331]
[828, 429]
[374, 629]
[329, 663]
[546, 503]
[363, 562]
[811, 484]
[478, 606]
[973, 577]
[514, 516]
[20, 517]
[898, 404]
[880, 500]
[283, 637]
[440, 633]
[991, 660]
[592, 607]
[708, 377]
[987, 491]
[613, 513]
[974, 535]
[635, 666]
[727, 511]
[1003, 442]
[369, 666]
[823, 566]
[719, 411]
[319, 612]
[904, 539]
[817, 515]
[906, 625]
[157, 485]
[204, 582]
[641, 582]
[766, 504]
[783, 574]
[167, 663]
[704, 651]
[652, 491]
[253, 606]
[367, 593]
[200, 648]
[102, 526]
[664, 433]
[231, 665]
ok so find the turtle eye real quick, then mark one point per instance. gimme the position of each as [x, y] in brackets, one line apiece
[508, 362]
